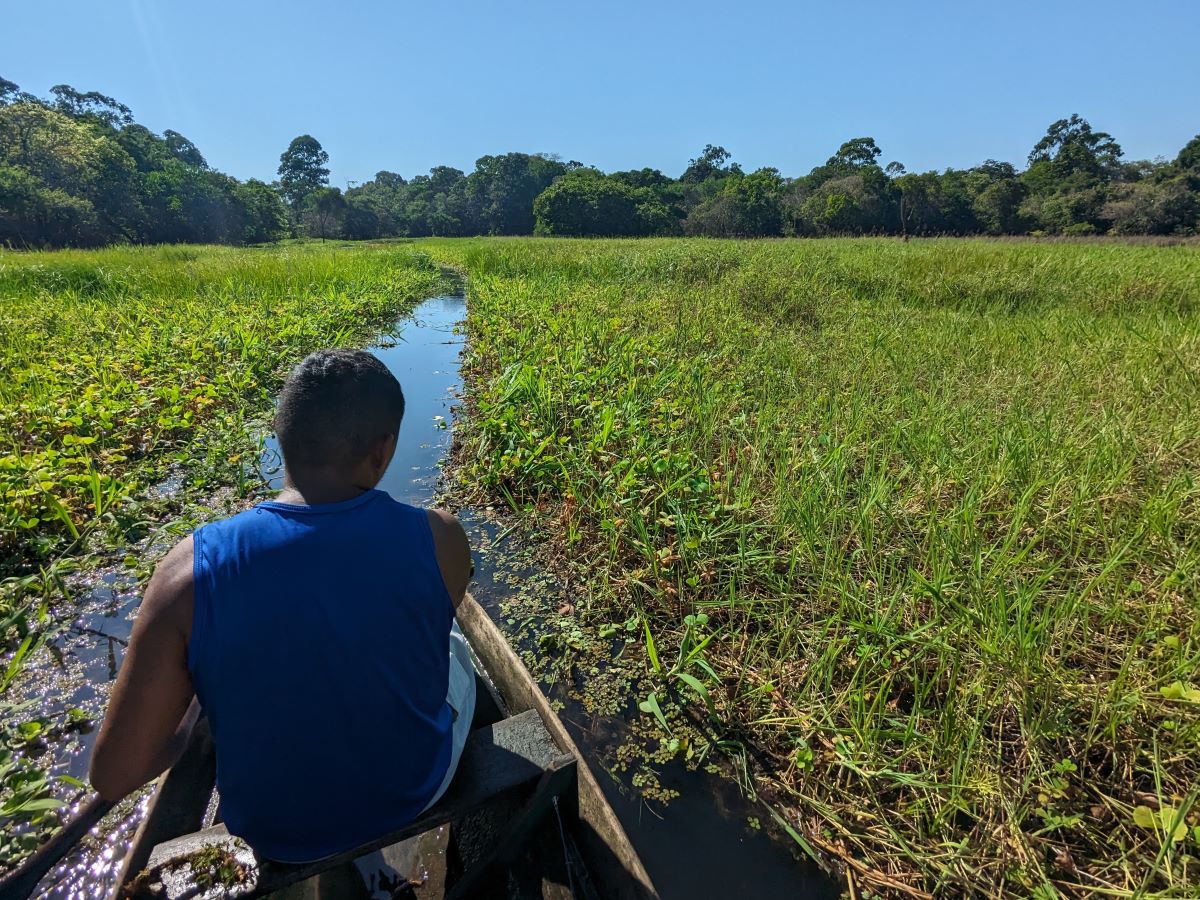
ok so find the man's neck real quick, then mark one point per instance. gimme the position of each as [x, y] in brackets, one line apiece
[317, 490]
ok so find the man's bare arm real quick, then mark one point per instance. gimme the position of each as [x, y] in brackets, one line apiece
[147, 716]
[453, 553]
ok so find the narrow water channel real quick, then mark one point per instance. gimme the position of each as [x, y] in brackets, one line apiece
[696, 845]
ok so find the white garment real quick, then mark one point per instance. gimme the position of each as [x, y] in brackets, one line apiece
[461, 696]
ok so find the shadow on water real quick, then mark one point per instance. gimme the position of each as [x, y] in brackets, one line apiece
[696, 845]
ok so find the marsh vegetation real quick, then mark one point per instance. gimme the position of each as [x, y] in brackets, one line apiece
[916, 521]
[919, 521]
[122, 370]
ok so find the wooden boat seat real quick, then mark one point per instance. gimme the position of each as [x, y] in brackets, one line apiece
[513, 757]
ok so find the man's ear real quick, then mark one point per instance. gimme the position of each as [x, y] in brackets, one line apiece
[382, 452]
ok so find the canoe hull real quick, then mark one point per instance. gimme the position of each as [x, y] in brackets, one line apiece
[606, 848]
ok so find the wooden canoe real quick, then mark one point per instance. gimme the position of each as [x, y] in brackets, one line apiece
[180, 804]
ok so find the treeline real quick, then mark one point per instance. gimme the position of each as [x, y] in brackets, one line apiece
[77, 170]
[1075, 184]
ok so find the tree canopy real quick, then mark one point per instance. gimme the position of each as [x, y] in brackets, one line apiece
[302, 169]
[76, 169]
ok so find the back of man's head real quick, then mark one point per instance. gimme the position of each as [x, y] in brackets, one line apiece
[335, 406]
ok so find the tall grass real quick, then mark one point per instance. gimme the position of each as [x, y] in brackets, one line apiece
[939, 498]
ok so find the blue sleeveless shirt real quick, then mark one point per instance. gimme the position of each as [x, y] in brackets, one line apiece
[320, 653]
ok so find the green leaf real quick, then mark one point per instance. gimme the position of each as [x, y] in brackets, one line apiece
[708, 670]
[694, 683]
[650, 649]
[650, 705]
[1179, 691]
[699, 648]
[1170, 817]
[1165, 818]
[31, 806]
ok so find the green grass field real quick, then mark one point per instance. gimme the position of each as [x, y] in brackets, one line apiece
[938, 500]
[116, 363]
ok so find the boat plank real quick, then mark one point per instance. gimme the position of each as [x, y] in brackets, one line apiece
[497, 760]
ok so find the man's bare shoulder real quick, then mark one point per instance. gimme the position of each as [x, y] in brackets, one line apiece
[445, 521]
[170, 593]
[453, 551]
[448, 534]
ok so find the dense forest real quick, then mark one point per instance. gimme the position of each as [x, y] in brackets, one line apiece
[76, 170]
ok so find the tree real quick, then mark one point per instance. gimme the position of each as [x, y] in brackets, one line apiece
[998, 207]
[708, 165]
[324, 211]
[183, 149]
[391, 179]
[854, 154]
[1070, 150]
[1153, 207]
[8, 91]
[78, 171]
[584, 202]
[92, 106]
[642, 178]
[747, 206]
[148, 151]
[302, 170]
[999, 194]
[263, 215]
[78, 160]
[848, 205]
[1189, 157]
[32, 214]
[502, 189]
[895, 169]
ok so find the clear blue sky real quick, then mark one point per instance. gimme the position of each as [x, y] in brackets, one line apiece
[405, 86]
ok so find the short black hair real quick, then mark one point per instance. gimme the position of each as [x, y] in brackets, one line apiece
[334, 406]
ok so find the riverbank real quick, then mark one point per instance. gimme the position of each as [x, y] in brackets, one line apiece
[912, 523]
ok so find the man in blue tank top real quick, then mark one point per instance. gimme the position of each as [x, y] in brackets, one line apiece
[313, 630]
